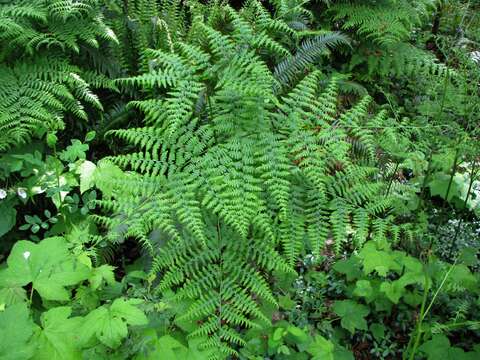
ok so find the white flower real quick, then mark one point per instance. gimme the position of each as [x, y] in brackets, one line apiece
[26, 255]
[22, 193]
[475, 55]
[3, 194]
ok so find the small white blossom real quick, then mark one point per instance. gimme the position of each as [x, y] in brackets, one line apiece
[26, 255]
[22, 193]
[310, 257]
[3, 194]
[475, 55]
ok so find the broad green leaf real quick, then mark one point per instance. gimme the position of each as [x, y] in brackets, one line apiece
[86, 171]
[57, 338]
[439, 186]
[286, 302]
[394, 290]
[439, 348]
[468, 256]
[352, 314]
[461, 277]
[12, 295]
[436, 347]
[412, 298]
[196, 352]
[166, 347]
[342, 354]
[90, 136]
[299, 335]
[321, 349]
[103, 272]
[109, 323]
[377, 260]
[51, 139]
[378, 331]
[16, 330]
[75, 151]
[363, 288]
[48, 266]
[350, 267]
[8, 216]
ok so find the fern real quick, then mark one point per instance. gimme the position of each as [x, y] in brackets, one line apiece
[385, 22]
[45, 86]
[308, 52]
[35, 96]
[239, 179]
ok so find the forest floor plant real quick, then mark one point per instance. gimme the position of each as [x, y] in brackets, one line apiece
[279, 179]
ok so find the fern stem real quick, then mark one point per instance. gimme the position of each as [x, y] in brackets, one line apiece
[391, 178]
[219, 239]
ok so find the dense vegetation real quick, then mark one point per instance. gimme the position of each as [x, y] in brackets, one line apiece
[281, 179]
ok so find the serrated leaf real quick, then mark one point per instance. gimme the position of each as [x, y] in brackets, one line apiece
[12, 295]
[48, 266]
[393, 290]
[350, 267]
[74, 151]
[104, 272]
[7, 219]
[352, 314]
[16, 329]
[377, 260]
[439, 348]
[56, 340]
[109, 323]
[321, 349]
[363, 288]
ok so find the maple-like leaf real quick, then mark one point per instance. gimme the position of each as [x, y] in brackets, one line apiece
[352, 315]
[109, 323]
[48, 265]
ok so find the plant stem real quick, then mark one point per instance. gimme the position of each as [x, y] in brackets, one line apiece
[452, 175]
[30, 299]
[418, 331]
[439, 289]
[391, 178]
[424, 312]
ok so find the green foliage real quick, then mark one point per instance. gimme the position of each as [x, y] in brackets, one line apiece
[16, 331]
[109, 323]
[287, 341]
[385, 22]
[352, 314]
[48, 266]
[40, 84]
[223, 128]
[53, 270]
[209, 180]
[439, 346]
